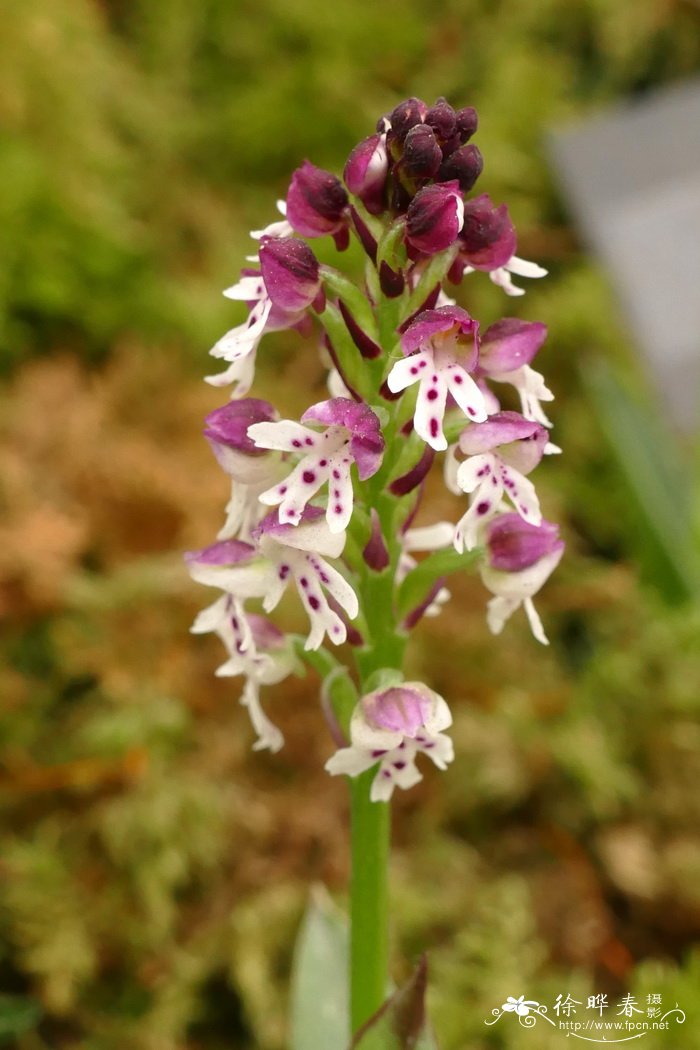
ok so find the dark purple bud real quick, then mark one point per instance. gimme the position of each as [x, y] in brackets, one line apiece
[435, 217]
[367, 347]
[316, 202]
[514, 544]
[375, 553]
[422, 155]
[290, 272]
[405, 116]
[391, 281]
[488, 237]
[412, 478]
[365, 172]
[465, 165]
[467, 122]
[227, 427]
[442, 119]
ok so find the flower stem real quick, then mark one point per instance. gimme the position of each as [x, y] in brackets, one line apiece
[369, 937]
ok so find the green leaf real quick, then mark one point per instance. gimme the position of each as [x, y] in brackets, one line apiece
[320, 1012]
[434, 273]
[353, 365]
[651, 463]
[18, 1014]
[353, 298]
[401, 1023]
[417, 584]
[391, 248]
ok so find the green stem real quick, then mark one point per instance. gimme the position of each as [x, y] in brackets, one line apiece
[371, 821]
[369, 892]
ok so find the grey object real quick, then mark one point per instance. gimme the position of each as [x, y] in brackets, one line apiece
[632, 178]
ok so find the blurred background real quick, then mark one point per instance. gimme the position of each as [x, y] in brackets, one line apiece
[153, 871]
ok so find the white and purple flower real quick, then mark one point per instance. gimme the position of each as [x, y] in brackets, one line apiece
[488, 241]
[278, 294]
[520, 557]
[505, 354]
[392, 726]
[298, 553]
[252, 470]
[501, 451]
[441, 353]
[256, 649]
[352, 435]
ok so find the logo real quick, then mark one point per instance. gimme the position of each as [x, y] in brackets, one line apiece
[596, 1021]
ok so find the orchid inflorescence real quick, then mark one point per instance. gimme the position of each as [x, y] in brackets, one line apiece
[325, 504]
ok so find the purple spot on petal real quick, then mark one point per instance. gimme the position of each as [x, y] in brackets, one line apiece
[386, 773]
[494, 481]
[471, 411]
[336, 474]
[314, 602]
[337, 509]
[283, 572]
[296, 444]
[323, 578]
[323, 462]
[414, 371]
[458, 379]
[336, 629]
[234, 623]
[422, 364]
[304, 582]
[377, 754]
[308, 477]
[482, 507]
[434, 427]
[399, 765]
[282, 489]
[308, 441]
[432, 395]
[434, 379]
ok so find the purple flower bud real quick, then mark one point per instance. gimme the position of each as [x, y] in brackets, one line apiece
[510, 343]
[400, 709]
[465, 165]
[435, 217]
[442, 119]
[227, 427]
[365, 172]
[422, 155]
[405, 116]
[316, 202]
[290, 272]
[467, 122]
[514, 544]
[487, 240]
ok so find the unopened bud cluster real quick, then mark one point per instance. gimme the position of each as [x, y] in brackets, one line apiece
[325, 504]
